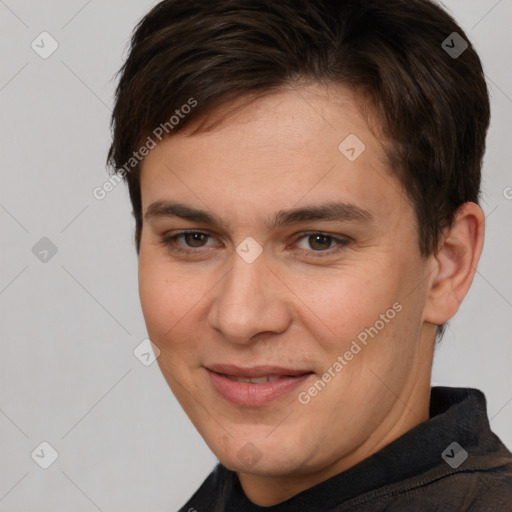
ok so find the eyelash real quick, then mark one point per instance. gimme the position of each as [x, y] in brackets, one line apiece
[341, 243]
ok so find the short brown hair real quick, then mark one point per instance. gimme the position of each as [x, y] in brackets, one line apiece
[433, 106]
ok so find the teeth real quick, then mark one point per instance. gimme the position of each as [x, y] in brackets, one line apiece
[255, 380]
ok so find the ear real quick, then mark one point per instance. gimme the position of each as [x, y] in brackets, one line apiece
[455, 263]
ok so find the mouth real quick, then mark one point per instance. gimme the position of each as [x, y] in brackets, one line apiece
[255, 380]
[255, 386]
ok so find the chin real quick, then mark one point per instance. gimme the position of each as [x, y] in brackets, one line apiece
[261, 456]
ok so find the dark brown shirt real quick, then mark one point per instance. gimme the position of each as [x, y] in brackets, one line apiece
[451, 462]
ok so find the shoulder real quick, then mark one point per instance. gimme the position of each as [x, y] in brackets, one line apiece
[483, 489]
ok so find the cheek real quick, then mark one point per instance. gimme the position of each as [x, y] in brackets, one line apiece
[173, 302]
[153, 293]
[346, 303]
[162, 297]
[376, 320]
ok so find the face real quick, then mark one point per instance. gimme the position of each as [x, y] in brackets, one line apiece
[280, 277]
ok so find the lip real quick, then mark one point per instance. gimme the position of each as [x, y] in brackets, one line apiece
[254, 371]
[250, 394]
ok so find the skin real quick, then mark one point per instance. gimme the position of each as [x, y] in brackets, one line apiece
[303, 301]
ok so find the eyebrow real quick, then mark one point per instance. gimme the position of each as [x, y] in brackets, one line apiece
[341, 212]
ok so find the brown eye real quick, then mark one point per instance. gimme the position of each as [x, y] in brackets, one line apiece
[187, 241]
[195, 239]
[319, 242]
[322, 243]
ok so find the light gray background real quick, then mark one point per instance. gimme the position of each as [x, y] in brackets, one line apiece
[69, 326]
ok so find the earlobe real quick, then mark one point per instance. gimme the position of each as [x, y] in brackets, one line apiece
[456, 261]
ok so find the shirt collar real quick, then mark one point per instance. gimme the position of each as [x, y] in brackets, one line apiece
[456, 415]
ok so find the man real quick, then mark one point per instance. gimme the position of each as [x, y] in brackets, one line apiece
[305, 179]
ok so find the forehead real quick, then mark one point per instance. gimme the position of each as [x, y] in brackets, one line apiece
[287, 119]
[299, 144]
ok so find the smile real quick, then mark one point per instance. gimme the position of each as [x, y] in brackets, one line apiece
[256, 386]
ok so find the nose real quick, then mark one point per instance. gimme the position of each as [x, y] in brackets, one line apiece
[251, 302]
